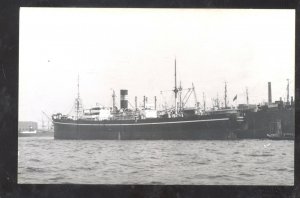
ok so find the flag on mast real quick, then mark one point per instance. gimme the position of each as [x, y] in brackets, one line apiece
[235, 97]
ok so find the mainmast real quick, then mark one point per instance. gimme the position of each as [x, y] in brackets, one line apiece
[225, 97]
[180, 97]
[175, 90]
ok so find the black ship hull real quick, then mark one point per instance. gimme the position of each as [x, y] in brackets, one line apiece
[196, 128]
[258, 124]
[254, 125]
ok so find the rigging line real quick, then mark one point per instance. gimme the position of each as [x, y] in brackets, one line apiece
[69, 108]
[189, 90]
[166, 91]
[187, 99]
[72, 108]
[48, 117]
[130, 104]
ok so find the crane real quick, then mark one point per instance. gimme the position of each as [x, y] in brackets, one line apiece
[48, 117]
[195, 96]
[49, 120]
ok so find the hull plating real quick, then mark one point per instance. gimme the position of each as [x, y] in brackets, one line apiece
[168, 129]
[258, 123]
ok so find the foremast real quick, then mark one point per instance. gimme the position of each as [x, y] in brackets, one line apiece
[78, 103]
[175, 91]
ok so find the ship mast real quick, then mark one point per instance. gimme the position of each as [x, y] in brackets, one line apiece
[77, 101]
[175, 90]
[195, 96]
[287, 91]
[225, 97]
[218, 102]
[247, 96]
[114, 100]
[180, 97]
[78, 105]
[204, 103]
[78, 88]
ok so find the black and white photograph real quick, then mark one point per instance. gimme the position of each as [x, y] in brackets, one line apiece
[156, 96]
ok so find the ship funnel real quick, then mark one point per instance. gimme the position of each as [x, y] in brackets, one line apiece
[123, 99]
[269, 93]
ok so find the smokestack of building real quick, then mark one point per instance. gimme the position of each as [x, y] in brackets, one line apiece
[123, 99]
[269, 93]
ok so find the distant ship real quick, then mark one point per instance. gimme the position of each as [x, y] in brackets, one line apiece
[35, 133]
[270, 120]
[30, 128]
[177, 123]
[27, 133]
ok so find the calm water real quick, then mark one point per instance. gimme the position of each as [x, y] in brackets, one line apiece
[241, 162]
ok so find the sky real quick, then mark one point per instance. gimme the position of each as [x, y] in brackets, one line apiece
[135, 49]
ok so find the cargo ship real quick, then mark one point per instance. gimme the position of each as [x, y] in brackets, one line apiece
[31, 129]
[270, 120]
[148, 123]
[27, 133]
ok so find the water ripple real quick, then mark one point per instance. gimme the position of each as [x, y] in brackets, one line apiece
[246, 162]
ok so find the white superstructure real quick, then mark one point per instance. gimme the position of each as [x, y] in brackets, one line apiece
[97, 113]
